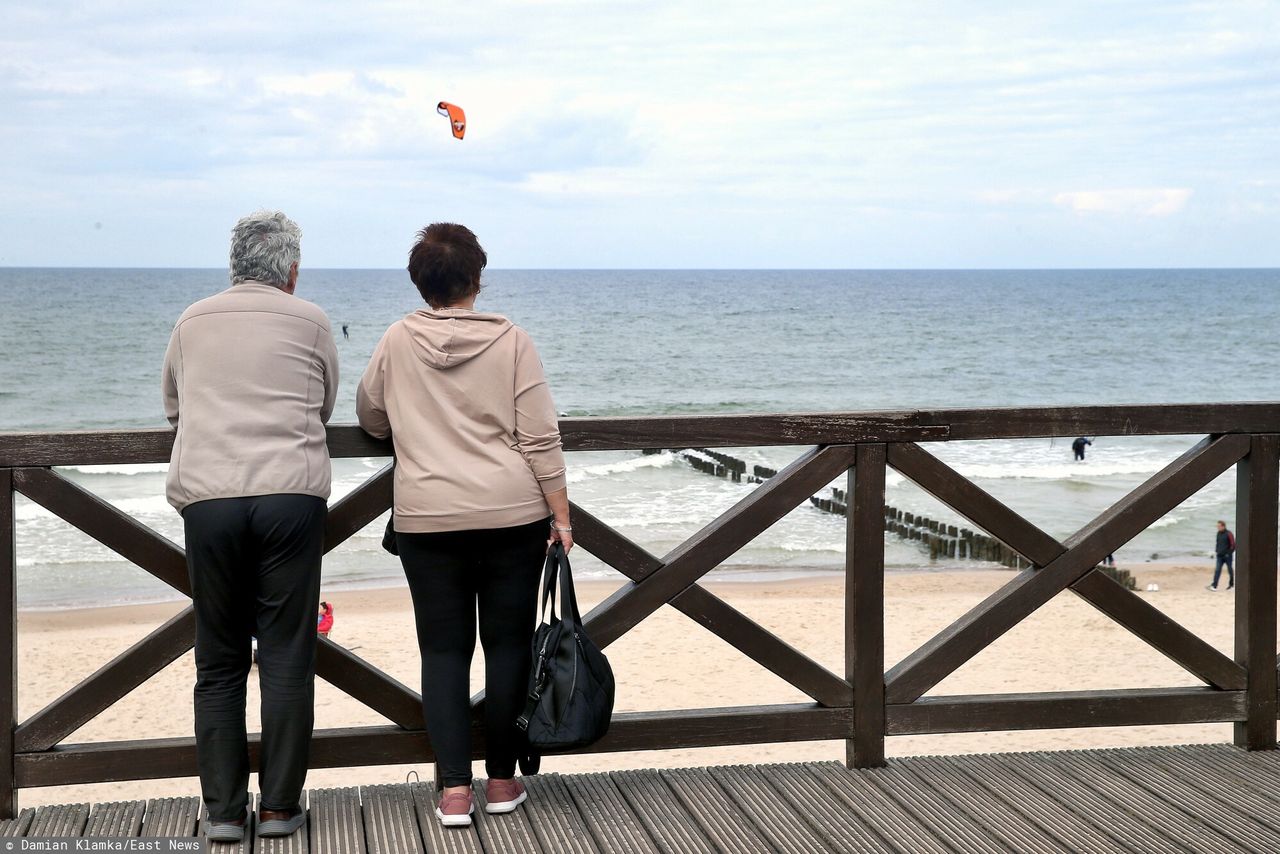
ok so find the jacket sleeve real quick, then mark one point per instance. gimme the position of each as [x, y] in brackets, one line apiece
[537, 427]
[371, 406]
[327, 350]
[169, 377]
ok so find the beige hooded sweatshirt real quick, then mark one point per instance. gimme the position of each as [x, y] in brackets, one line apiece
[464, 398]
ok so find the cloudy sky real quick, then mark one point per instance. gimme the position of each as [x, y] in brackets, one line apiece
[647, 134]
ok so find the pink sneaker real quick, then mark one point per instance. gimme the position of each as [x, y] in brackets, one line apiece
[455, 809]
[503, 796]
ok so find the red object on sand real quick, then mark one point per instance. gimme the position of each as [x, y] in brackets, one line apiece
[325, 623]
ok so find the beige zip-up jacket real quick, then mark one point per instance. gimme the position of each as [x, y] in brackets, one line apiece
[463, 396]
[250, 378]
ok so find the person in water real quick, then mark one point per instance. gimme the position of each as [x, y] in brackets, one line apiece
[346, 336]
[1078, 447]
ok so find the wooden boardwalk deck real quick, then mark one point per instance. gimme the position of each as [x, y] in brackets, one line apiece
[1211, 799]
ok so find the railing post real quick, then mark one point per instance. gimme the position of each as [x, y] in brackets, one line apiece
[864, 606]
[8, 645]
[1257, 482]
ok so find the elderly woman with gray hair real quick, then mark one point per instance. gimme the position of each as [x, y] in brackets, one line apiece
[249, 380]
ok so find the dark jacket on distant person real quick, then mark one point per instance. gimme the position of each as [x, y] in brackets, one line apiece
[1226, 543]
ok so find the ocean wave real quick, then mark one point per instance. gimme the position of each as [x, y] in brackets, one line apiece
[1058, 471]
[120, 469]
[651, 461]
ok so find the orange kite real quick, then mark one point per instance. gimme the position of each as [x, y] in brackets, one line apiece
[457, 118]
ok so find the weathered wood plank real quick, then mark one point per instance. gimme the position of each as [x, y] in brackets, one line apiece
[1210, 810]
[370, 685]
[108, 684]
[715, 812]
[974, 503]
[1217, 782]
[349, 515]
[118, 818]
[1257, 484]
[1078, 796]
[115, 529]
[1160, 631]
[8, 647]
[606, 813]
[438, 838]
[171, 817]
[988, 621]
[149, 759]
[59, 820]
[1190, 832]
[670, 827]
[1012, 828]
[882, 812]
[718, 540]
[390, 820]
[864, 607]
[1073, 830]
[786, 828]
[554, 818]
[934, 812]
[842, 828]
[17, 826]
[95, 447]
[714, 614]
[1063, 709]
[512, 832]
[337, 823]
[298, 842]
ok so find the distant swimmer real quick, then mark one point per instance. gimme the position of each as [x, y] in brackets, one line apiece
[345, 334]
[1078, 447]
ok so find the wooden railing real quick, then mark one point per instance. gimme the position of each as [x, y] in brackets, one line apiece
[862, 705]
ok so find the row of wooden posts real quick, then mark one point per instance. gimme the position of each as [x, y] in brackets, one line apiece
[939, 538]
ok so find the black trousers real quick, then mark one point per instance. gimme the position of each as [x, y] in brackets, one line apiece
[255, 572]
[451, 574]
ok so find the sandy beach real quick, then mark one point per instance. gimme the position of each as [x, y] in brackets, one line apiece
[668, 663]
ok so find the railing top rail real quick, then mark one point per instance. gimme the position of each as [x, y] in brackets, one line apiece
[89, 447]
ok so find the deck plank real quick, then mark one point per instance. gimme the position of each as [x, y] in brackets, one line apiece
[1207, 806]
[934, 811]
[1189, 831]
[171, 817]
[437, 837]
[59, 820]
[727, 826]
[889, 819]
[390, 820]
[16, 827]
[843, 828]
[1011, 828]
[554, 817]
[298, 842]
[1246, 791]
[787, 828]
[608, 816]
[1079, 796]
[1074, 830]
[511, 832]
[117, 818]
[336, 821]
[670, 827]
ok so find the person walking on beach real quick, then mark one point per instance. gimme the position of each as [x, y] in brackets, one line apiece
[1224, 549]
[250, 378]
[479, 496]
[324, 620]
[1078, 446]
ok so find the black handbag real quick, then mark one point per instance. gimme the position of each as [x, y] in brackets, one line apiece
[571, 684]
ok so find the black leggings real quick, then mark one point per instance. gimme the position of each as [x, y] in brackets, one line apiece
[449, 574]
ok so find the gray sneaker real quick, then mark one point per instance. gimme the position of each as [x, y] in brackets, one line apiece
[281, 826]
[224, 831]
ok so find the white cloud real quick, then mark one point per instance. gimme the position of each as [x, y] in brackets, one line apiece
[1146, 201]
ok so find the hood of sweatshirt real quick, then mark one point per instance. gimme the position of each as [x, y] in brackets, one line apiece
[447, 337]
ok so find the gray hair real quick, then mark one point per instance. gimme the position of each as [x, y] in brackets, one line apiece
[264, 245]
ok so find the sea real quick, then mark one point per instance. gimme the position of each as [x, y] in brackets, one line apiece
[82, 348]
